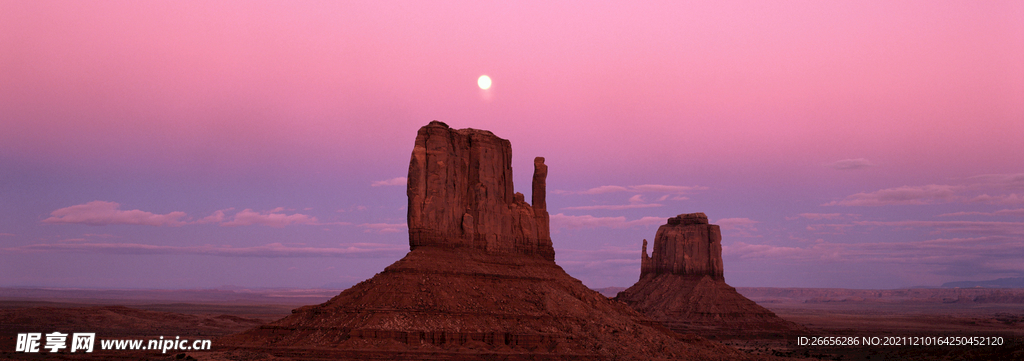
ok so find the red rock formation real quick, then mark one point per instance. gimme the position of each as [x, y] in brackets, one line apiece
[479, 282]
[460, 195]
[686, 245]
[682, 285]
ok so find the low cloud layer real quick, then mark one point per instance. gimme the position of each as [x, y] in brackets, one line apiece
[603, 267]
[851, 164]
[273, 250]
[636, 201]
[821, 216]
[643, 188]
[396, 181]
[1019, 212]
[100, 213]
[384, 227]
[959, 256]
[964, 227]
[562, 221]
[744, 227]
[1012, 198]
[987, 189]
[906, 195]
[1009, 182]
[272, 218]
[614, 207]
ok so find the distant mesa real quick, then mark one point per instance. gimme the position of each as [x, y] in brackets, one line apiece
[682, 285]
[1013, 282]
[479, 282]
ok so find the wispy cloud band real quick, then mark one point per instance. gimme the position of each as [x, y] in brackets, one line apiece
[102, 213]
[98, 213]
[272, 250]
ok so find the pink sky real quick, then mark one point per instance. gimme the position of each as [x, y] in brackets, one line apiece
[266, 112]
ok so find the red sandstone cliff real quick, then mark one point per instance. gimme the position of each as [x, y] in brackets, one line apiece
[461, 195]
[686, 245]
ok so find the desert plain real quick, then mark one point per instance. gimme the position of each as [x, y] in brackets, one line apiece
[214, 313]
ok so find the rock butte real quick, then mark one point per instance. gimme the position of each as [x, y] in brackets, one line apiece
[460, 195]
[687, 245]
[682, 285]
[479, 282]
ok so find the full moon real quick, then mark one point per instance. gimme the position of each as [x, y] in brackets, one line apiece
[484, 82]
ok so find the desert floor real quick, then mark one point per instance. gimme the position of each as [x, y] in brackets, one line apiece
[890, 315]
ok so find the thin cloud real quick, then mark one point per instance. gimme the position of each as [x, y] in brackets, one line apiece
[660, 188]
[603, 253]
[960, 248]
[829, 228]
[1001, 181]
[595, 258]
[383, 227]
[753, 251]
[906, 195]
[272, 218]
[604, 265]
[216, 217]
[100, 213]
[732, 223]
[614, 206]
[817, 216]
[851, 164]
[741, 226]
[604, 189]
[1012, 198]
[974, 227]
[975, 255]
[562, 221]
[1019, 212]
[396, 181]
[636, 201]
[643, 188]
[936, 194]
[273, 250]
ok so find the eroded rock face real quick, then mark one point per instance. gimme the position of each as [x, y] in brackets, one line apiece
[461, 195]
[686, 245]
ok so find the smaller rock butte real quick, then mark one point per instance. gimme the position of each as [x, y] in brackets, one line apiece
[682, 285]
[461, 195]
[687, 245]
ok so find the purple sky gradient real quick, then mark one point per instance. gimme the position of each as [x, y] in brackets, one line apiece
[858, 144]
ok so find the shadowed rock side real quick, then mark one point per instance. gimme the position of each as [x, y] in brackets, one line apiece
[479, 282]
[460, 195]
[682, 285]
